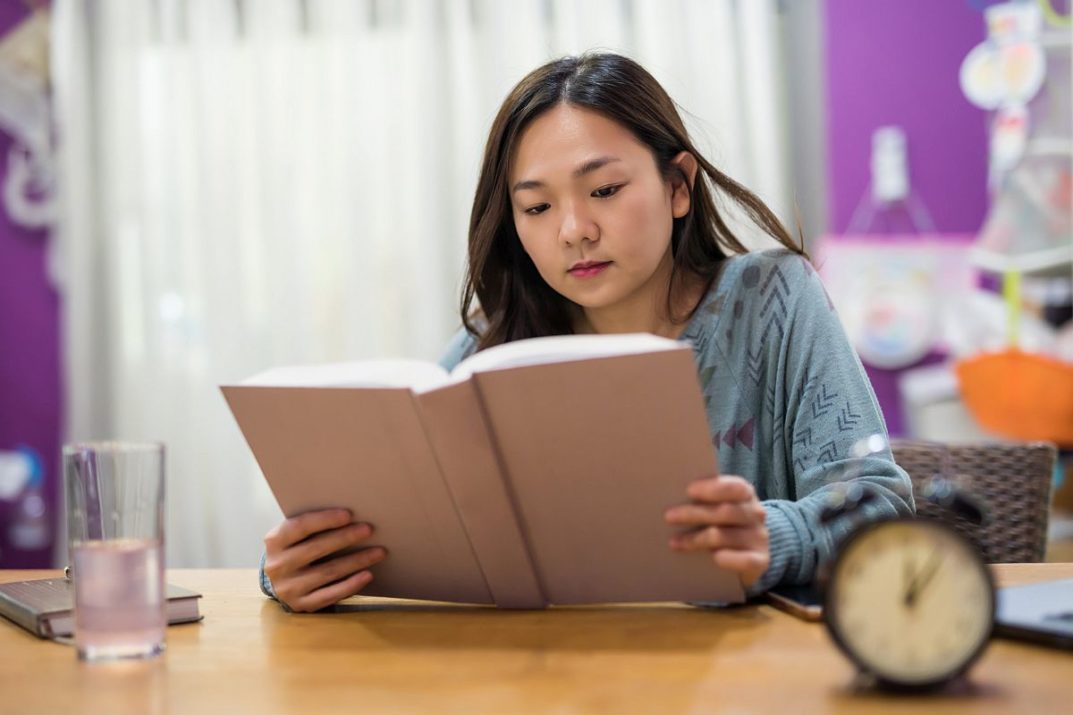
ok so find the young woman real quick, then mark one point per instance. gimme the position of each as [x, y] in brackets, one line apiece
[594, 213]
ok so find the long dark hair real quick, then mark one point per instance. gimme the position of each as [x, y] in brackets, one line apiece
[515, 302]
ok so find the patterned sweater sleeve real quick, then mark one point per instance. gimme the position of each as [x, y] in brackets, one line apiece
[829, 408]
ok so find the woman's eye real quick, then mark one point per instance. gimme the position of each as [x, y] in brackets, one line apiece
[606, 191]
[534, 210]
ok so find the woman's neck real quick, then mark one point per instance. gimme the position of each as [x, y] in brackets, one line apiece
[646, 314]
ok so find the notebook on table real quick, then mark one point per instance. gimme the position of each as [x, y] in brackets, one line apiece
[45, 606]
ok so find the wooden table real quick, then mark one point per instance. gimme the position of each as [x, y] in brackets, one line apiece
[248, 656]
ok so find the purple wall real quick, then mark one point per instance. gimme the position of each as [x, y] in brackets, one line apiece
[897, 62]
[29, 354]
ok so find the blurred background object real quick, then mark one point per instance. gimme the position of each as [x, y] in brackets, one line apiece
[29, 185]
[1022, 73]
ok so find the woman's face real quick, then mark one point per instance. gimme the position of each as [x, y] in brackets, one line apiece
[593, 211]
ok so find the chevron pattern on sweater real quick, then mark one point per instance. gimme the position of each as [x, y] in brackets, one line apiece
[849, 419]
[806, 389]
[745, 432]
[778, 416]
[823, 402]
[773, 297]
[776, 289]
[773, 325]
[775, 273]
[828, 453]
[742, 434]
[752, 366]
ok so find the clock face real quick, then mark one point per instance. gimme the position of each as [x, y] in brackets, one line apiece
[911, 602]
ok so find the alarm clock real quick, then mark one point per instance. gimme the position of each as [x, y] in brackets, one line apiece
[910, 602]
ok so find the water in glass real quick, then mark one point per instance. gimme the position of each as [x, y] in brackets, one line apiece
[119, 598]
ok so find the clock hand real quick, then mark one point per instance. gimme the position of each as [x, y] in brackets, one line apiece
[923, 577]
[932, 569]
[907, 578]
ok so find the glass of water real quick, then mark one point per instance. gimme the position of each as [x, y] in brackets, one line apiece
[115, 527]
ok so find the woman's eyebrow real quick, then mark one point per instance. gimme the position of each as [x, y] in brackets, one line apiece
[593, 164]
[587, 168]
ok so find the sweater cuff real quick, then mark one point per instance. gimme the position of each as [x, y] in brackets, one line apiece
[266, 584]
[784, 542]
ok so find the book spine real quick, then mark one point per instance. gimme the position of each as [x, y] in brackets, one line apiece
[21, 615]
[537, 593]
[458, 430]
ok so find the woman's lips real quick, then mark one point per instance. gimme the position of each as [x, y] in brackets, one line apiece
[589, 270]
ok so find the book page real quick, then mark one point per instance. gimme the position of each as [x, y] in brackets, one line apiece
[593, 452]
[417, 375]
[560, 348]
[365, 450]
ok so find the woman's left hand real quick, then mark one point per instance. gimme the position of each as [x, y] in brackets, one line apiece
[730, 524]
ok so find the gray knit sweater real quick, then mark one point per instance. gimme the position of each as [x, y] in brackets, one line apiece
[787, 401]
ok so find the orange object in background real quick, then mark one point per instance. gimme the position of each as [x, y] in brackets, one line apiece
[1020, 395]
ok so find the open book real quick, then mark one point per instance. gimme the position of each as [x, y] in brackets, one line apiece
[535, 473]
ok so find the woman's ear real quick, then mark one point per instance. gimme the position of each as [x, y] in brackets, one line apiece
[682, 191]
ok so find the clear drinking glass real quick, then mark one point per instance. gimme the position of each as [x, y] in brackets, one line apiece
[115, 526]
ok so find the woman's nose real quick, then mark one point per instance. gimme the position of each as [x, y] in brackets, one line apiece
[577, 226]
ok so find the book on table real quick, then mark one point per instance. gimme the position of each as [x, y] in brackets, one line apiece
[45, 607]
[535, 473]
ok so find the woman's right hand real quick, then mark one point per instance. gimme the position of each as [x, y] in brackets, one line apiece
[293, 547]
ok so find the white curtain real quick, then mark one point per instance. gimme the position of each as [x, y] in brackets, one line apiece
[262, 182]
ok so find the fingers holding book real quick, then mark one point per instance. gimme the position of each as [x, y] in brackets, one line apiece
[327, 583]
[725, 514]
[729, 521]
[310, 559]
